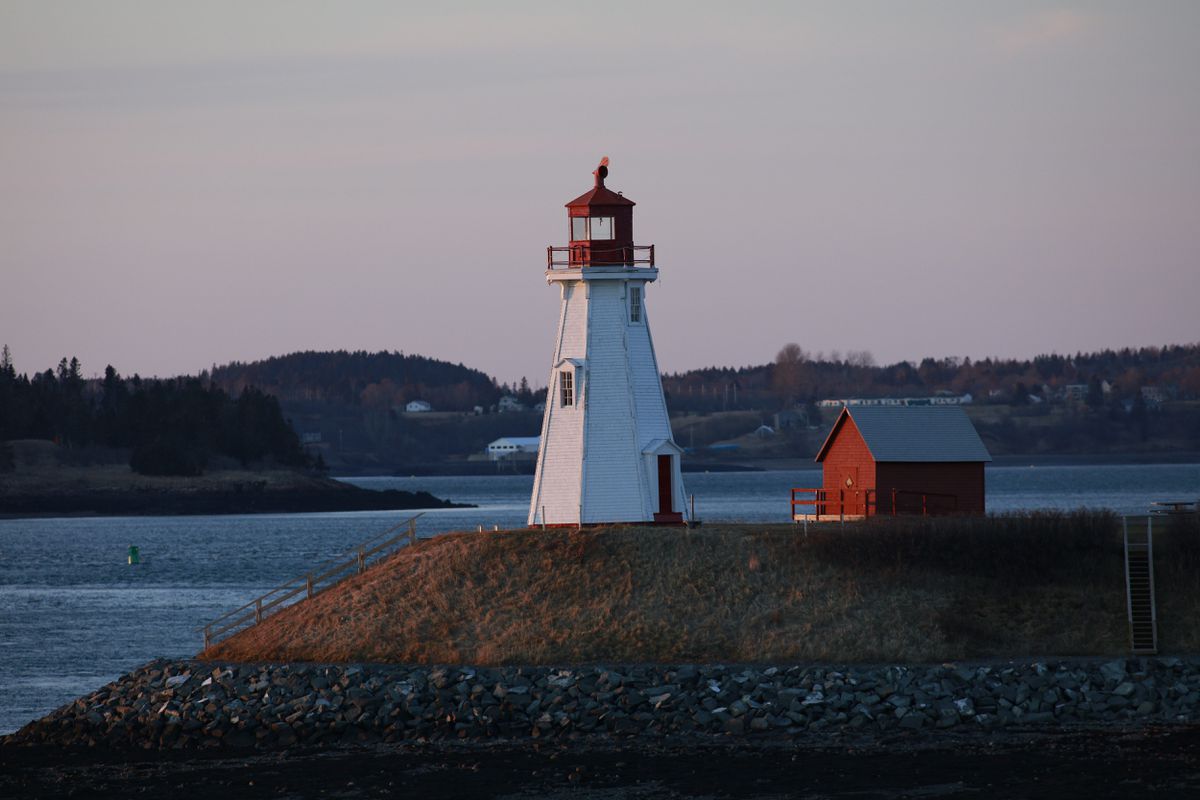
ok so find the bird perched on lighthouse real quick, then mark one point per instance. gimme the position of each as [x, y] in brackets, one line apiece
[606, 454]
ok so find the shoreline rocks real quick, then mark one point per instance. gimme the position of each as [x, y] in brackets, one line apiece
[190, 704]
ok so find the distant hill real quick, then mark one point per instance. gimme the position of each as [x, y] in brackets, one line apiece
[350, 407]
[347, 410]
[360, 378]
[1104, 403]
[798, 376]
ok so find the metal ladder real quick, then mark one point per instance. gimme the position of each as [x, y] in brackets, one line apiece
[1139, 585]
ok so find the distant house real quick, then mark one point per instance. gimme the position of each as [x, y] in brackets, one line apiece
[1154, 396]
[881, 460]
[943, 399]
[791, 418]
[508, 447]
[313, 437]
[417, 407]
[510, 403]
[1075, 392]
[478, 411]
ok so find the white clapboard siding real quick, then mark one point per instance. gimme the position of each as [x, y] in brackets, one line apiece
[560, 456]
[651, 405]
[591, 465]
[611, 490]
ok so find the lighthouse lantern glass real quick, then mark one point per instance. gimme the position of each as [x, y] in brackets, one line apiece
[579, 228]
[592, 228]
[602, 228]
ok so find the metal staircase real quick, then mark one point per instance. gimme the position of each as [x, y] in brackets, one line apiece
[1139, 585]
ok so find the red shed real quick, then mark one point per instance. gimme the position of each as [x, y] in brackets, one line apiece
[901, 460]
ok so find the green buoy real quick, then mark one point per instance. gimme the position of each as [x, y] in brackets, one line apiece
[134, 558]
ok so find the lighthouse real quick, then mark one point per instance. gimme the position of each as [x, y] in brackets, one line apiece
[607, 454]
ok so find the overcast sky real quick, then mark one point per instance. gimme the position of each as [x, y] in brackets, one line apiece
[190, 183]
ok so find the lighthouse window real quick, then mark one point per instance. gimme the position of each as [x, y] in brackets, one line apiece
[566, 386]
[602, 228]
[596, 228]
[635, 304]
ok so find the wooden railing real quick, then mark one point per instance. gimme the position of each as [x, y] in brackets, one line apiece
[836, 502]
[578, 256]
[842, 503]
[310, 584]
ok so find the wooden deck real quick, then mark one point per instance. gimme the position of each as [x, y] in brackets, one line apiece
[828, 517]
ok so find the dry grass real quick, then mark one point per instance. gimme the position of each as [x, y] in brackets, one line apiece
[912, 591]
[1177, 579]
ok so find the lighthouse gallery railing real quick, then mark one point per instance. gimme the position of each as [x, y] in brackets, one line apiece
[576, 256]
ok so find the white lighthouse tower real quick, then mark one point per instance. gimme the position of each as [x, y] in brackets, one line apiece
[606, 454]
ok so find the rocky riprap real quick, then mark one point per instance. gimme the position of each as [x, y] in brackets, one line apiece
[195, 704]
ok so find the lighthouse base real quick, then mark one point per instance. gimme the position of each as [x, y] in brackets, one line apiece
[674, 518]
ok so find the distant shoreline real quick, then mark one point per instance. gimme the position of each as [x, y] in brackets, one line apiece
[106, 493]
[1097, 459]
[1007, 460]
[484, 469]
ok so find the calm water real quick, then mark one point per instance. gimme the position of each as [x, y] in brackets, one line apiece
[74, 615]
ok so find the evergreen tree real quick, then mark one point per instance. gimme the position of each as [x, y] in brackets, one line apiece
[1139, 415]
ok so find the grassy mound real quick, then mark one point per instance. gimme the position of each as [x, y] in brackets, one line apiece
[904, 590]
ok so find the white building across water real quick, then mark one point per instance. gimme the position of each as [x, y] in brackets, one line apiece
[607, 454]
[513, 447]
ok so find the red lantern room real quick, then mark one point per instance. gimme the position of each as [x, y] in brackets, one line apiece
[601, 230]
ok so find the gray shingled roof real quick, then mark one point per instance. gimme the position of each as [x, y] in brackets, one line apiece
[917, 433]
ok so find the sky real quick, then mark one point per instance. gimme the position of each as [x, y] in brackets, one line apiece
[193, 183]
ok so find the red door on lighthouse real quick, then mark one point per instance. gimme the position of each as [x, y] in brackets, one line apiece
[664, 485]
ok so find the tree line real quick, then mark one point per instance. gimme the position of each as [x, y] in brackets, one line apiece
[170, 426]
[345, 378]
[797, 377]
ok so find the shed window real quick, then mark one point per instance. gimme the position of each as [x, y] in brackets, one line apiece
[566, 387]
[635, 304]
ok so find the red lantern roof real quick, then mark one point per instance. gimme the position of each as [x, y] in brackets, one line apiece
[600, 195]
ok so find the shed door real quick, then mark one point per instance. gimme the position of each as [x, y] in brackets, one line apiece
[664, 485]
[849, 492]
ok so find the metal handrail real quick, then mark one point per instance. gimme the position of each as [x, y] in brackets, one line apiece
[579, 256]
[308, 582]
